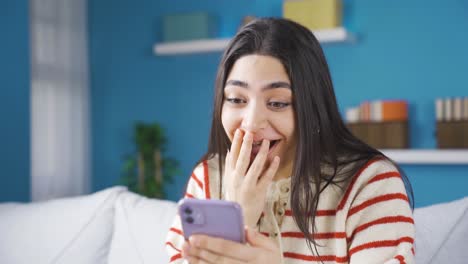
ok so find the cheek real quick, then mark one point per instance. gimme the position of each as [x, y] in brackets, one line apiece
[285, 125]
[228, 122]
[290, 127]
[291, 124]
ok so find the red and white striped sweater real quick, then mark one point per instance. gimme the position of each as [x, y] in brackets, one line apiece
[370, 221]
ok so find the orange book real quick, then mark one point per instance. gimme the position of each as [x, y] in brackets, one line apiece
[394, 110]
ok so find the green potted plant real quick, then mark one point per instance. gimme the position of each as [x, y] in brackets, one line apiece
[146, 171]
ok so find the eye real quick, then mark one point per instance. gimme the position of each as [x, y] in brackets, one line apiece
[235, 100]
[278, 105]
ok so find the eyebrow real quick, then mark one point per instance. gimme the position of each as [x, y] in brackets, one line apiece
[273, 85]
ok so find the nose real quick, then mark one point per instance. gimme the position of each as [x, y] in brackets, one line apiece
[254, 118]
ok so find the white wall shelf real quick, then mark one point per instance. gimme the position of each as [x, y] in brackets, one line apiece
[428, 156]
[212, 45]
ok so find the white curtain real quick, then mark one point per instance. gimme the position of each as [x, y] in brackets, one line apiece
[60, 123]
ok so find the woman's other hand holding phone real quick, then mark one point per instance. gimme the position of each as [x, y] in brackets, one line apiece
[248, 185]
[211, 250]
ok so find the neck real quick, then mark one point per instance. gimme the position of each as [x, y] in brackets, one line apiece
[283, 172]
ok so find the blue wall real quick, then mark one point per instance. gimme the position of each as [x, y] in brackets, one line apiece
[406, 50]
[15, 99]
[415, 50]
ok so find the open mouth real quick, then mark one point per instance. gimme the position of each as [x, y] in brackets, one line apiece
[257, 144]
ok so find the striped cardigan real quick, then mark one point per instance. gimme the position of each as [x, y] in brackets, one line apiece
[369, 221]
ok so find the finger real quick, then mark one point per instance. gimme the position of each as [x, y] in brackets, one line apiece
[229, 178]
[194, 260]
[258, 164]
[185, 250]
[222, 260]
[235, 148]
[243, 160]
[203, 255]
[256, 239]
[269, 174]
[227, 160]
[207, 256]
[226, 248]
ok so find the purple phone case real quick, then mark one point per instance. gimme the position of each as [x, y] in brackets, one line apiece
[215, 218]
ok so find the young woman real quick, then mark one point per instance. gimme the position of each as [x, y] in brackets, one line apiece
[310, 191]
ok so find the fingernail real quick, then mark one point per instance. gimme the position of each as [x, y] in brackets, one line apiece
[247, 136]
[250, 231]
[186, 247]
[194, 241]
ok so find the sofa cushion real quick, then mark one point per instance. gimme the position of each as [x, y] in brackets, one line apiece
[67, 230]
[442, 233]
[141, 226]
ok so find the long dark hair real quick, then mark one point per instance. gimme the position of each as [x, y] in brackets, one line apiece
[322, 137]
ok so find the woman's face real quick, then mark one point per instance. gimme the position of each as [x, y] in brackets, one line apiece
[258, 99]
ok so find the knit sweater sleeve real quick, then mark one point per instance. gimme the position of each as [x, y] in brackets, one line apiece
[379, 224]
[198, 188]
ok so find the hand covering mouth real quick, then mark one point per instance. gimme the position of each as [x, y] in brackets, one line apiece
[257, 144]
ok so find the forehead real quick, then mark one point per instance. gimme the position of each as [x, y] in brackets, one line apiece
[258, 69]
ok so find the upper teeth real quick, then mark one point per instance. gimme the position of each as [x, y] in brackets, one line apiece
[257, 143]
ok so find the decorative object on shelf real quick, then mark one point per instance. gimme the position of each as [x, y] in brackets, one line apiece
[246, 20]
[381, 124]
[189, 26]
[314, 14]
[146, 171]
[452, 122]
[323, 17]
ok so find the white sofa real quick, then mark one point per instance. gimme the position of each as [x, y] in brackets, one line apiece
[116, 226]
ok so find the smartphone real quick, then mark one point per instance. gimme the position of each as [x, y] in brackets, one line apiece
[215, 218]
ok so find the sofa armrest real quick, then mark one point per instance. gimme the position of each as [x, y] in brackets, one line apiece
[68, 230]
[442, 232]
[141, 226]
